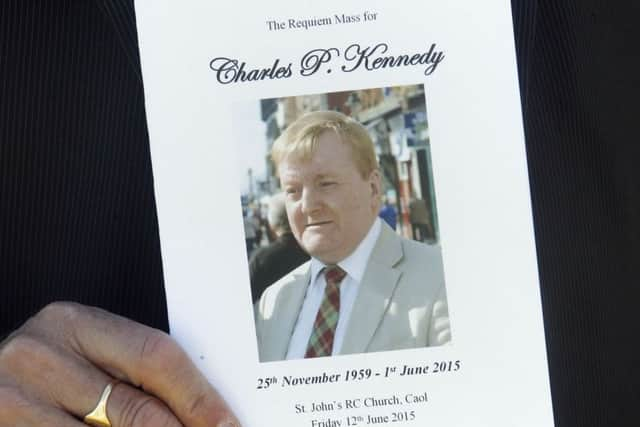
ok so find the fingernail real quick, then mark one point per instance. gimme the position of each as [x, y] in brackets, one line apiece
[229, 423]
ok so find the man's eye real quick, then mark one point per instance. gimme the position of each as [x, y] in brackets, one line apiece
[326, 184]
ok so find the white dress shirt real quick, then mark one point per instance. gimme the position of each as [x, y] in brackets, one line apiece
[354, 265]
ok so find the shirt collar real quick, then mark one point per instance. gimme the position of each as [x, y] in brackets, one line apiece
[356, 263]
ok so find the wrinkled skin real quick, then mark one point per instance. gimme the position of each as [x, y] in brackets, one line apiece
[55, 367]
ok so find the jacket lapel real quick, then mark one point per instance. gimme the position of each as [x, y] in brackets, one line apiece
[121, 15]
[378, 284]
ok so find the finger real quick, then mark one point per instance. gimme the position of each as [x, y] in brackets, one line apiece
[17, 410]
[50, 373]
[147, 358]
[129, 407]
[61, 379]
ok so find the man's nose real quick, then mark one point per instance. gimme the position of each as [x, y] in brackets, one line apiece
[309, 201]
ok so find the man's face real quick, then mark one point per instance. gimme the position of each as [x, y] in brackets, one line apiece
[329, 204]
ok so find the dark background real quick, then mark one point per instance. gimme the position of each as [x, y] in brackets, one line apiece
[77, 210]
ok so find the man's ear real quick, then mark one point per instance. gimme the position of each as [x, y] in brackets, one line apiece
[375, 183]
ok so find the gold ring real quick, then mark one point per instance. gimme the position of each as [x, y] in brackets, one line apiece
[98, 417]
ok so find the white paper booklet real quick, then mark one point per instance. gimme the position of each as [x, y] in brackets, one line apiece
[384, 137]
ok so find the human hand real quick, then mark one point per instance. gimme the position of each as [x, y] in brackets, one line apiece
[54, 369]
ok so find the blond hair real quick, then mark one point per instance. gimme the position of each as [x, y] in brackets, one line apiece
[301, 139]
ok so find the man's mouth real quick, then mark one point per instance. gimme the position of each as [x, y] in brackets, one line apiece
[317, 223]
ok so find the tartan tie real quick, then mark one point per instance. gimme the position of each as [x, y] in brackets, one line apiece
[324, 327]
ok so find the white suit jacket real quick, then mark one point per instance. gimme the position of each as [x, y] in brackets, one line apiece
[401, 302]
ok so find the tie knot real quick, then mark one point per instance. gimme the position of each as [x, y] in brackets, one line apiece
[334, 274]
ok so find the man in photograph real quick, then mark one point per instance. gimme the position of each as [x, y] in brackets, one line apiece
[365, 288]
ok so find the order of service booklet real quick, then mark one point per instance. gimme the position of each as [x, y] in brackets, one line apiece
[344, 209]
